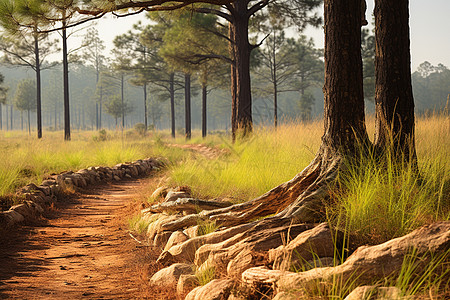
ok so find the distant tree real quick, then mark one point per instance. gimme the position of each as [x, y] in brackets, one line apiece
[116, 108]
[308, 72]
[431, 87]
[25, 98]
[139, 61]
[203, 52]
[92, 54]
[26, 45]
[368, 57]
[3, 98]
[164, 80]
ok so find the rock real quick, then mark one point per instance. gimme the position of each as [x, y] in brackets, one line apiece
[313, 243]
[172, 196]
[48, 182]
[286, 296]
[369, 292]
[217, 289]
[160, 192]
[177, 237]
[192, 231]
[186, 283]
[366, 265]
[168, 277]
[161, 239]
[29, 210]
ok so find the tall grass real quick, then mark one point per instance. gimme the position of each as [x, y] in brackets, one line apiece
[26, 159]
[376, 203]
[253, 166]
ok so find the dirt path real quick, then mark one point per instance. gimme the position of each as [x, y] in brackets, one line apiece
[82, 252]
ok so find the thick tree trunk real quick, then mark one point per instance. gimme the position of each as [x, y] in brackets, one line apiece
[204, 110]
[393, 94]
[172, 102]
[233, 83]
[242, 49]
[66, 86]
[38, 87]
[187, 102]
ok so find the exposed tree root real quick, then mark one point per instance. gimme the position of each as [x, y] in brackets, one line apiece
[298, 199]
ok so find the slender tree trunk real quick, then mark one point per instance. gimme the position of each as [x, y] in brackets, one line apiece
[187, 102]
[11, 120]
[29, 123]
[7, 117]
[97, 126]
[204, 110]
[100, 108]
[172, 102]
[145, 107]
[66, 84]
[275, 83]
[21, 120]
[122, 99]
[393, 93]
[38, 86]
[1, 116]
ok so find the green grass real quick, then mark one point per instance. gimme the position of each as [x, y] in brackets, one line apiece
[29, 160]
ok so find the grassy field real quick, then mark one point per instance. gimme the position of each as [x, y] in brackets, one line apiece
[376, 204]
[28, 160]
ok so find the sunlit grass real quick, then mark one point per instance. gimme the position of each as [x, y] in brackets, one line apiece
[253, 166]
[27, 159]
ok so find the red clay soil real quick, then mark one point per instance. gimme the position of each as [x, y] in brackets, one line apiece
[82, 251]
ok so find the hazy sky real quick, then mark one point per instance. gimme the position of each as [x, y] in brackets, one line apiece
[429, 24]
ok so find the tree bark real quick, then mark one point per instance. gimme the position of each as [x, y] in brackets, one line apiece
[233, 83]
[393, 93]
[187, 102]
[204, 110]
[66, 85]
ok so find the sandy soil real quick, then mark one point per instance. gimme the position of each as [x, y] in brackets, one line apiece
[82, 251]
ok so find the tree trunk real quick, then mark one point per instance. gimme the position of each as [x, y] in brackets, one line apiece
[393, 94]
[1, 117]
[122, 99]
[97, 127]
[172, 102]
[187, 102]
[29, 123]
[275, 83]
[38, 87]
[242, 49]
[204, 110]
[145, 107]
[300, 199]
[66, 86]
[233, 83]
[11, 120]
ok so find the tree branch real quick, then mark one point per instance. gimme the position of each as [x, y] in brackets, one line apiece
[257, 7]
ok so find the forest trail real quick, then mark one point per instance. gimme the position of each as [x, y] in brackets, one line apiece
[83, 250]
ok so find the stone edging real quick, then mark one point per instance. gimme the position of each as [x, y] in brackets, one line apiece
[35, 197]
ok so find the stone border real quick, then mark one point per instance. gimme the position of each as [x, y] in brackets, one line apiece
[35, 197]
